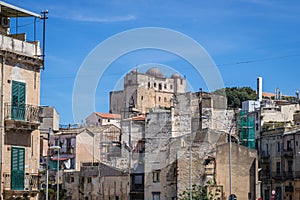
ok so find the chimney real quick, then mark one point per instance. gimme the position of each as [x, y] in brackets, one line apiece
[259, 89]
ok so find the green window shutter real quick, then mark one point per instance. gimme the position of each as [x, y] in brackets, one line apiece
[18, 99]
[17, 168]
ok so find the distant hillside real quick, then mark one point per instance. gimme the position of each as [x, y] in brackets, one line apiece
[235, 95]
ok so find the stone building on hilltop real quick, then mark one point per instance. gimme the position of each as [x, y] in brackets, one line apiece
[144, 91]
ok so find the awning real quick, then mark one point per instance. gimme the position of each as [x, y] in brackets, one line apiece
[9, 10]
[60, 159]
[63, 157]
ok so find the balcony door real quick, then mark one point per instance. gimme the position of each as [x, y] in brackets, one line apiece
[18, 99]
[17, 168]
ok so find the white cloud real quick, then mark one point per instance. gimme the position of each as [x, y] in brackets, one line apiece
[97, 19]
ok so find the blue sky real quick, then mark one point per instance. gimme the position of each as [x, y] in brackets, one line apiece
[245, 38]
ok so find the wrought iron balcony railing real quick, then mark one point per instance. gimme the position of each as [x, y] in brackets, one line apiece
[26, 182]
[277, 175]
[265, 155]
[21, 112]
[288, 152]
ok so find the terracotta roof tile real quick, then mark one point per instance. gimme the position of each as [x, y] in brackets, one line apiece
[108, 115]
[267, 94]
[139, 118]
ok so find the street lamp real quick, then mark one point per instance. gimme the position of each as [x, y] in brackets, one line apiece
[230, 149]
[57, 148]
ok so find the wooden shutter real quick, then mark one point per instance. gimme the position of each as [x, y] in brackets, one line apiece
[17, 168]
[18, 100]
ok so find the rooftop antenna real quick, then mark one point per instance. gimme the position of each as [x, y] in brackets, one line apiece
[44, 17]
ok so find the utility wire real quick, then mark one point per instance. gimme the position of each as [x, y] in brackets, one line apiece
[260, 60]
[218, 65]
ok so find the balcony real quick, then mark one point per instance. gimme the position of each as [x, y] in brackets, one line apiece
[288, 153]
[24, 185]
[265, 156]
[30, 49]
[21, 116]
[288, 175]
[289, 189]
[265, 175]
[296, 174]
[276, 175]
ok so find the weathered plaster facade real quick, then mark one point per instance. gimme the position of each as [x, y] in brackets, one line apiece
[279, 156]
[20, 137]
[96, 144]
[244, 171]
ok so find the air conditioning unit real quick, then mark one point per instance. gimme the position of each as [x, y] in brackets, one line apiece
[4, 22]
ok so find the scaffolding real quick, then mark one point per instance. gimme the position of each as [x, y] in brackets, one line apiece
[246, 129]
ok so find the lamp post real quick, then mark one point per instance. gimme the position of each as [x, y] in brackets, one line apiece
[57, 148]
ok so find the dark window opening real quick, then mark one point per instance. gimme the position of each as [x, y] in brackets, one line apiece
[289, 145]
[290, 166]
[159, 86]
[278, 168]
[156, 176]
[156, 195]
[89, 179]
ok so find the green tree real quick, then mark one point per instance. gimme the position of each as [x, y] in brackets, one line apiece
[202, 192]
[235, 95]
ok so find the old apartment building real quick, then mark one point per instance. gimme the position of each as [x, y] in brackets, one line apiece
[19, 106]
[279, 157]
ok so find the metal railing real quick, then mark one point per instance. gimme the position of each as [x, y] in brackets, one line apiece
[288, 175]
[288, 152]
[265, 155]
[21, 112]
[277, 175]
[30, 182]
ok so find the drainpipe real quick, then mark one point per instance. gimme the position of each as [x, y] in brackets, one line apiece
[1, 122]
